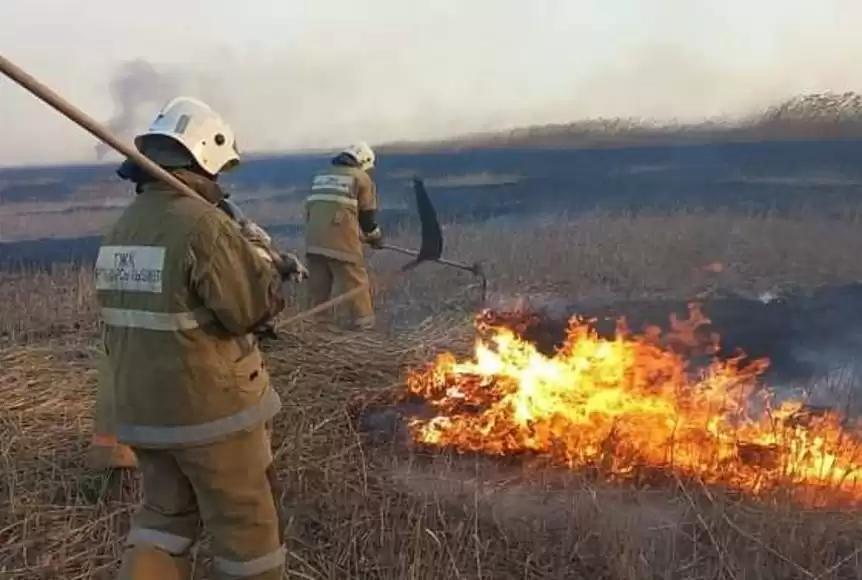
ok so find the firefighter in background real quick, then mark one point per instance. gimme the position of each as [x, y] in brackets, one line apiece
[181, 288]
[341, 214]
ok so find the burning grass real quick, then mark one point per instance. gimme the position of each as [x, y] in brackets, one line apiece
[374, 508]
[372, 511]
[633, 403]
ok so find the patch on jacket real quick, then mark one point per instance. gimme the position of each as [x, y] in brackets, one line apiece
[333, 182]
[130, 268]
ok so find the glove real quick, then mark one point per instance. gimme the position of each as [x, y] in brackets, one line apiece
[374, 238]
[255, 234]
[290, 267]
[261, 240]
[287, 264]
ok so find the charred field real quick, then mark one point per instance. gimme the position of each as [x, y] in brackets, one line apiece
[566, 493]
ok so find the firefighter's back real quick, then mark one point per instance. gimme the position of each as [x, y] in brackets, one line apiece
[174, 367]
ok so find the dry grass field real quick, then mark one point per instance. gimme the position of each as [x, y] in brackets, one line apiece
[362, 509]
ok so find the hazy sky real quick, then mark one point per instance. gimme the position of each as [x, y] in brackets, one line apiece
[300, 73]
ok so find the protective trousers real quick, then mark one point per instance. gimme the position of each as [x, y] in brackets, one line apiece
[229, 487]
[328, 277]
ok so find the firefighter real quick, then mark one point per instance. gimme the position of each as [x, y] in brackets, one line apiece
[181, 290]
[341, 214]
[105, 451]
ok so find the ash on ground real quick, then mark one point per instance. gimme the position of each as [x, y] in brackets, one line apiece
[513, 490]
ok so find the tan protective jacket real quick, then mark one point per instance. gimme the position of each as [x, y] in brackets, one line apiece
[180, 292]
[332, 229]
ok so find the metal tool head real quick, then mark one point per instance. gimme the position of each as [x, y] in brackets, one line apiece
[478, 270]
[431, 247]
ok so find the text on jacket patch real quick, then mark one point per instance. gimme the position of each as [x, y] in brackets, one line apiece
[334, 182]
[130, 268]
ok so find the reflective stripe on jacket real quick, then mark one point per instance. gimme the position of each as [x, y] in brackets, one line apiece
[180, 292]
[337, 196]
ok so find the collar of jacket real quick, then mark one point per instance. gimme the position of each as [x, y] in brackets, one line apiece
[203, 186]
[344, 160]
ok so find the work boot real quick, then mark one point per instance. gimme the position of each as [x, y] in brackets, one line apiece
[111, 456]
[364, 324]
[148, 563]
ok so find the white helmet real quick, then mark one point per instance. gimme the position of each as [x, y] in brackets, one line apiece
[198, 129]
[363, 154]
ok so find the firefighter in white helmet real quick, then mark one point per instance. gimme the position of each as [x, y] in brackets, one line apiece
[181, 289]
[341, 214]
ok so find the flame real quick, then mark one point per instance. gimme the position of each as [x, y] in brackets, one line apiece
[634, 404]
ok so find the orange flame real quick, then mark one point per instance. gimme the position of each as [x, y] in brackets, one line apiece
[633, 403]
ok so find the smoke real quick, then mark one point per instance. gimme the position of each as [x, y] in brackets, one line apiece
[546, 305]
[315, 100]
[140, 88]
[308, 74]
[135, 86]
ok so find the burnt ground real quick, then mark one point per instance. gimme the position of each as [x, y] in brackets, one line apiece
[812, 342]
[811, 339]
[785, 177]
